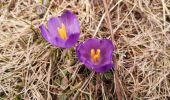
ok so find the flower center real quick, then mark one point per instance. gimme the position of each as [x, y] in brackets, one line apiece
[62, 32]
[95, 55]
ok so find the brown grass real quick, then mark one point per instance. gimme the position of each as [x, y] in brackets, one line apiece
[31, 68]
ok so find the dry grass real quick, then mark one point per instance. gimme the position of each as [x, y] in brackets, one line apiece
[31, 68]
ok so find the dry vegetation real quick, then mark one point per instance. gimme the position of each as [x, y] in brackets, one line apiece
[31, 68]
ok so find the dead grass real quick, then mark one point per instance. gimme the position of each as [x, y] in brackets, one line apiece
[31, 68]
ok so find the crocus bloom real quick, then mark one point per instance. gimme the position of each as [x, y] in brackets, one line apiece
[63, 31]
[96, 54]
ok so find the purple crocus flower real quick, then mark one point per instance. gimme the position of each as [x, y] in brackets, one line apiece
[63, 31]
[96, 54]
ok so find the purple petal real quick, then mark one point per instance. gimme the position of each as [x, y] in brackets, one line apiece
[104, 68]
[71, 22]
[58, 42]
[51, 39]
[72, 39]
[106, 47]
[82, 54]
[83, 49]
[53, 24]
[72, 30]
[44, 32]
[91, 44]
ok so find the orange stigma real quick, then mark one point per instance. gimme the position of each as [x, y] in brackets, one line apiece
[95, 55]
[62, 32]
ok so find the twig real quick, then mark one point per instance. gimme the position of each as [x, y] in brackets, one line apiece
[47, 10]
[108, 19]
[101, 20]
[84, 85]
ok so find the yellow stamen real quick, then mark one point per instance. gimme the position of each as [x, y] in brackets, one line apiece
[62, 32]
[95, 55]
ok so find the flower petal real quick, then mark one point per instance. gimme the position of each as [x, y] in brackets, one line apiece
[53, 24]
[72, 30]
[84, 48]
[92, 43]
[106, 54]
[106, 47]
[82, 54]
[44, 32]
[73, 38]
[51, 39]
[58, 42]
[104, 68]
[71, 22]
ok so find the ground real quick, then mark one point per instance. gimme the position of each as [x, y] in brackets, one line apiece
[31, 68]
